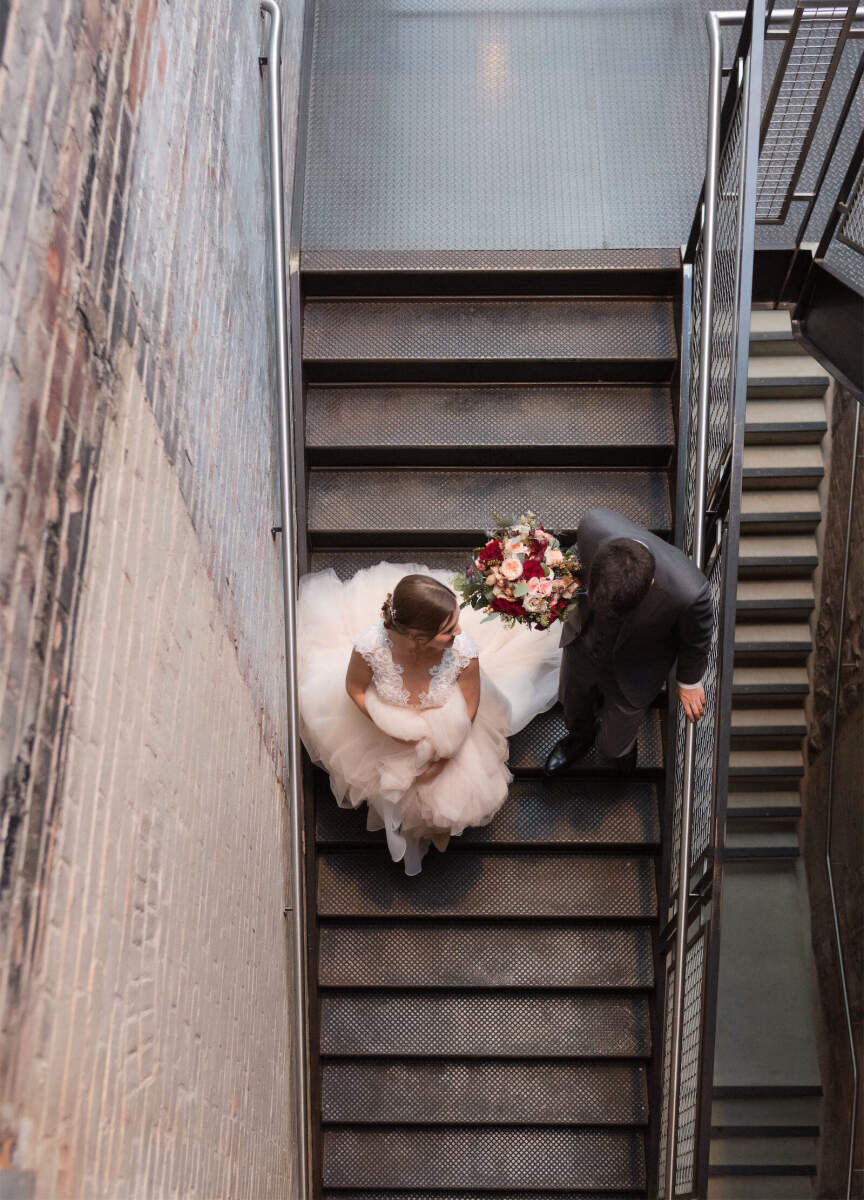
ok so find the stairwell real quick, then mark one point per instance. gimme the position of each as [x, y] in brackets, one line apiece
[765, 1116]
[488, 1026]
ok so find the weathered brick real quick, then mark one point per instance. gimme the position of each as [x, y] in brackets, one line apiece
[142, 682]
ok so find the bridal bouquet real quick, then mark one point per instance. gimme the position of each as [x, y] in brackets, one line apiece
[522, 574]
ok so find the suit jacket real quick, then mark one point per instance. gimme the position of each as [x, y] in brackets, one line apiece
[673, 621]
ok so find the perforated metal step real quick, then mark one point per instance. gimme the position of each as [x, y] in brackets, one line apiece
[519, 425]
[529, 1024]
[483, 1158]
[476, 954]
[489, 272]
[429, 507]
[530, 748]
[492, 1092]
[365, 883]
[472, 340]
[565, 812]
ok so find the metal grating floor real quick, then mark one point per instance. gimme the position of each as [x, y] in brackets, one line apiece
[485, 1026]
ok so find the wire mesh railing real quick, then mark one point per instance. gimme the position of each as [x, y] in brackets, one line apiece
[718, 265]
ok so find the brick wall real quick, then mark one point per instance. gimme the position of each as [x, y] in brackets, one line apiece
[143, 989]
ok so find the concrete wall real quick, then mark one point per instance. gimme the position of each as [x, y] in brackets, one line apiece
[847, 841]
[144, 988]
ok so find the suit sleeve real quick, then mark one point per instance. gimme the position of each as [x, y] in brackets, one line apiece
[695, 626]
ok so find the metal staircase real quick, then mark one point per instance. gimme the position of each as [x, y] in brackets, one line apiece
[489, 1025]
[765, 1114]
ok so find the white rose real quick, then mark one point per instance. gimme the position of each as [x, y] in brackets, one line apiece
[553, 558]
[511, 568]
[533, 603]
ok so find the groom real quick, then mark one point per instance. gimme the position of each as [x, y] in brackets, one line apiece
[646, 606]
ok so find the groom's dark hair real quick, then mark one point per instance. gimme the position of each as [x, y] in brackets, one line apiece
[621, 573]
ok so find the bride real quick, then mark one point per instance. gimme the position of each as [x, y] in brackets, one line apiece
[408, 702]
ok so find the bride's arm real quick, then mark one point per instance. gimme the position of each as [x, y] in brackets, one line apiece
[469, 684]
[357, 680]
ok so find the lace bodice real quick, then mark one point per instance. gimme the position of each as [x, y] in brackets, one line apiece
[377, 649]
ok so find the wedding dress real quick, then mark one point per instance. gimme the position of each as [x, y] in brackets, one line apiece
[519, 678]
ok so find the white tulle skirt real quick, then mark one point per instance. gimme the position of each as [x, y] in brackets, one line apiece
[519, 678]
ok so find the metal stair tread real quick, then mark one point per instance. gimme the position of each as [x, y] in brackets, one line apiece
[794, 418]
[530, 748]
[343, 262]
[364, 883]
[783, 635]
[776, 503]
[566, 812]
[556, 418]
[768, 719]
[491, 1024]
[536, 330]
[478, 954]
[482, 1092]
[775, 591]
[388, 505]
[777, 547]
[483, 1158]
[786, 369]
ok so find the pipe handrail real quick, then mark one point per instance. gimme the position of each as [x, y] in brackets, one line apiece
[829, 819]
[287, 481]
[744, 93]
[682, 918]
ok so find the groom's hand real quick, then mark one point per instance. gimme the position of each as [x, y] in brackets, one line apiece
[692, 700]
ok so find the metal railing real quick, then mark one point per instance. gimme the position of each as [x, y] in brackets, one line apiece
[718, 267]
[754, 167]
[288, 488]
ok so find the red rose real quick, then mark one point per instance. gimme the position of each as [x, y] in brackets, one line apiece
[492, 552]
[532, 569]
[537, 549]
[511, 607]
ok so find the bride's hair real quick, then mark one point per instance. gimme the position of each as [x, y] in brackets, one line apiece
[418, 604]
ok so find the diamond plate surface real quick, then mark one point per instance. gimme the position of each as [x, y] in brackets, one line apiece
[435, 330]
[342, 261]
[438, 955]
[483, 1158]
[530, 748]
[528, 1024]
[555, 417]
[390, 504]
[570, 812]
[366, 883]
[493, 1092]
[453, 1194]
[442, 125]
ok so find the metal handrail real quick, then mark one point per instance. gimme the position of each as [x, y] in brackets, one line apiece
[682, 922]
[746, 221]
[287, 481]
[829, 820]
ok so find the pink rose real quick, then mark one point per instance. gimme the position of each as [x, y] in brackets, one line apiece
[511, 568]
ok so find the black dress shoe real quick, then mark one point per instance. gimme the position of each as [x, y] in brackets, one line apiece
[626, 764]
[568, 751]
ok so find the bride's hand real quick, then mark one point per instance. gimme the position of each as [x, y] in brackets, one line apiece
[433, 771]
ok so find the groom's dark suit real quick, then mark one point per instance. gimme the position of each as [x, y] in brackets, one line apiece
[621, 668]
